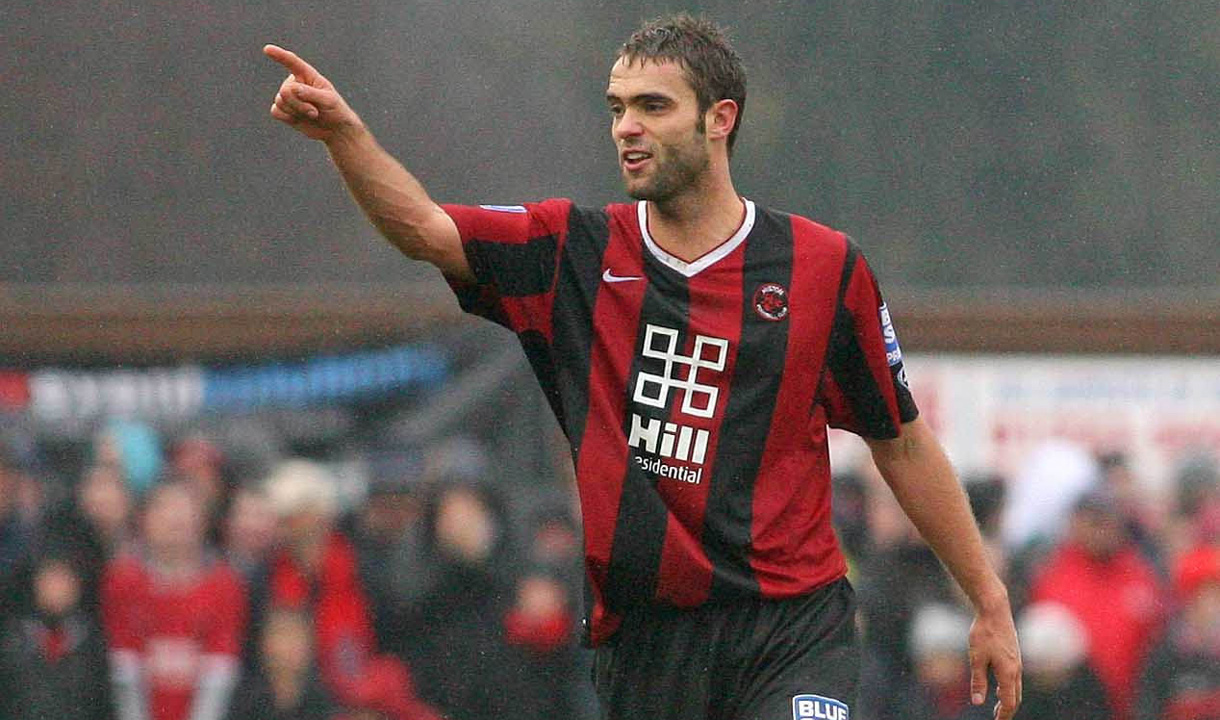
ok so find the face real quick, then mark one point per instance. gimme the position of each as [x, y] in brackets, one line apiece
[56, 588]
[1100, 533]
[657, 129]
[251, 524]
[464, 526]
[105, 500]
[173, 523]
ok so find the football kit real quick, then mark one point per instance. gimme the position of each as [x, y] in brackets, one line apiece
[696, 397]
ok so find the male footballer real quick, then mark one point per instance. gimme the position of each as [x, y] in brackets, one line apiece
[695, 347]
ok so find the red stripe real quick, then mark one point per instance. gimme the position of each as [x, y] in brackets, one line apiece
[794, 546]
[532, 312]
[602, 463]
[685, 576]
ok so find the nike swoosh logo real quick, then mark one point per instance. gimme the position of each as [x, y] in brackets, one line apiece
[612, 278]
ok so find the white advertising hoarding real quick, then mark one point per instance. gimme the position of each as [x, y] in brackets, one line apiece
[992, 411]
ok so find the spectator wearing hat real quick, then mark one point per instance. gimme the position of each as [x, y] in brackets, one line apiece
[1099, 574]
[53, 659]
[1181, 680]
[387, 531]
[1058, 681]
[313, 570]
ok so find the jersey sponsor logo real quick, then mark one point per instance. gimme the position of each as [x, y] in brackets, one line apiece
[612, 278]
[816, 707]
[661, 343]
[518, 209]
[771, 301]
[893, 354]
[660, 440]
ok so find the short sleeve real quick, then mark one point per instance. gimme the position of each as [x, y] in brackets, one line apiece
[864, 388]
[513, 251]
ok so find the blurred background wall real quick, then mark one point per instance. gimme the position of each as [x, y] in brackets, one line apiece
[1048, 144]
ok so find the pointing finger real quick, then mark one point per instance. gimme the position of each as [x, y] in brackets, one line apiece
[293, 63]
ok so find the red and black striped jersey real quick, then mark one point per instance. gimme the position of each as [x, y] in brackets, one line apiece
[695, 395]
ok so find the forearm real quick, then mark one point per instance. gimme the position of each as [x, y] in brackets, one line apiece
[392, 198]
[926, 486]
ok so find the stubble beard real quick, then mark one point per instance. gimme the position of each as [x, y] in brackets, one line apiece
[675, 171]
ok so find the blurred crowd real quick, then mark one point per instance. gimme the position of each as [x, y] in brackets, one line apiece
[163, 581]
[1116, 592]
[166, 583]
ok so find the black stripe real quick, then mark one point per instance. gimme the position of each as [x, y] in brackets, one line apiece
[849, 265]
[542, 362]
[748, 415]
[848, 365]
[516, 269]
[639, 531]
[572, 318]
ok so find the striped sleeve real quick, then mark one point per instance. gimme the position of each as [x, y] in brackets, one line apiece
[865, 389]
[513, 251]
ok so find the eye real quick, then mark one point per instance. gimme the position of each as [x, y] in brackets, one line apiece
[654, 106]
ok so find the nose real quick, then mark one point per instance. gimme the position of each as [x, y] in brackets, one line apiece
[627, 125]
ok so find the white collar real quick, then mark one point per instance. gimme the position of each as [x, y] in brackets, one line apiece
[709, 258]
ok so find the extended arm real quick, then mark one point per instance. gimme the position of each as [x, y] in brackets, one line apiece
[391, 197]
[923, 481]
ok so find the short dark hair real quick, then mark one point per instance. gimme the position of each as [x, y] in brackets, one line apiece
[702, 49]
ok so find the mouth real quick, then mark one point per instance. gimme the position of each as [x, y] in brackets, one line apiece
[634, 160]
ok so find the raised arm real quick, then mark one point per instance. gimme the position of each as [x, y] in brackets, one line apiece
[391, 197]
[923, 481]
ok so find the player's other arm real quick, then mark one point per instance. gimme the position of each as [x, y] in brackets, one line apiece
[392, 198]
[922, 479]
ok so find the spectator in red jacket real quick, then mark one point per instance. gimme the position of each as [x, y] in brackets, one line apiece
[174, 615]
[1099, 574]
[314, 570]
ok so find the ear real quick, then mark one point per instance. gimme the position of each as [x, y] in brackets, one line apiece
[720, 119]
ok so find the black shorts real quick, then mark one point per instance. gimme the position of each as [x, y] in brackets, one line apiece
[750, 659]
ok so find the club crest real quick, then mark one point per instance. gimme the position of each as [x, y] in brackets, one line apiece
[771, 301]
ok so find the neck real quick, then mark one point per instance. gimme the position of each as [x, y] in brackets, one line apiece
[309, 553]
[285, 687]
[697, 220]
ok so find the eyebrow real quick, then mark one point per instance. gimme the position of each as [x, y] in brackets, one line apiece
[642, 97]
